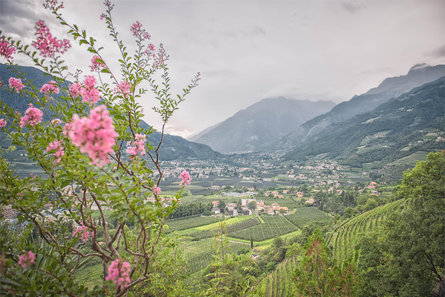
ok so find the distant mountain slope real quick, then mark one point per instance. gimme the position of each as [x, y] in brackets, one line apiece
[174, 147]
[260, 126]
[389, 88]
[402, 126]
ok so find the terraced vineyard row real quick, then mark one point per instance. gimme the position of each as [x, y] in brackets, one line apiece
[273, 226]
[345, 237]
[279, 283]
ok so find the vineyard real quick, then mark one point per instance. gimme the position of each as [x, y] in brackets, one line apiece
[190, 222]
[273, 226]
[305, 215]
[198, 254]
[278, 283]
[345, 237]
[229, 229]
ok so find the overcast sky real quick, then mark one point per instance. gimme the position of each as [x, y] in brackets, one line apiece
[248, 50]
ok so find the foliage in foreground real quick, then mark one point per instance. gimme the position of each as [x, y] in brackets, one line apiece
[408, 257]
[89, 140]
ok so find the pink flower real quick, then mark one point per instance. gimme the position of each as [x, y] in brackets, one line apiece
[56, 146]
[6, 49]
[15, 83]
[46, 43]
[83, 232]
[2, 123]
[138, 32]
[50, 88]
[185, 176]
[94, 135]
[75, 90]
[137, 145]
[151, 47]
[119, 273]
[27, 259]
[123, 88]
[136, 29]
[55, 122]
[89, 93]
[32, 117]
[97, 64]
[52, 4]
[156, 190]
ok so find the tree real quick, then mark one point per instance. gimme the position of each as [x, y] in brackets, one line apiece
[221, 206]
[91, 145]
[408, 258]
[318, 275]
[252, 205]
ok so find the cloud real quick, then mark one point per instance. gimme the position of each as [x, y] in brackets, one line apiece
[353, 6]
[439, 52]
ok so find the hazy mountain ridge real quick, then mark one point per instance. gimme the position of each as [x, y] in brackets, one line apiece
[413, 122]
[389, 88]
[261, 125]
[173, 147]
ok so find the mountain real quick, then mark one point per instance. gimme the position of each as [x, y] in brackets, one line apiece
[173, 147]
[410, 124]
[391, 87]
[261, 125]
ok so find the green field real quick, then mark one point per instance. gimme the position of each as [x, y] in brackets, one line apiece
[305, 215]
[198, 254]
[273, 226]
[190, 222]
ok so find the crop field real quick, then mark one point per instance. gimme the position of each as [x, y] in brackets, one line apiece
[273, 226]
[198, 254]
[345, 237]
[190, 222]
[229, 229]
[305, 215]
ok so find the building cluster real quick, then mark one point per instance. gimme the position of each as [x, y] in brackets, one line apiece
[249, 207]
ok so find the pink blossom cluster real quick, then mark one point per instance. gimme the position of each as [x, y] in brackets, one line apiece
[123, 88]
[50, 88]
[142, 34]
[52, 4]
[32, 117]
[97, 64]
[46, 43]
[2, 123]
[156, 190]
[88, 91]
[75, 90]
[6, 49]
[15, 83]
[94, 135]
[83, 232]
[186, 179]
[119, 273]
[55, 122]
[137, 145]
[56, 146]
[27, 259]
